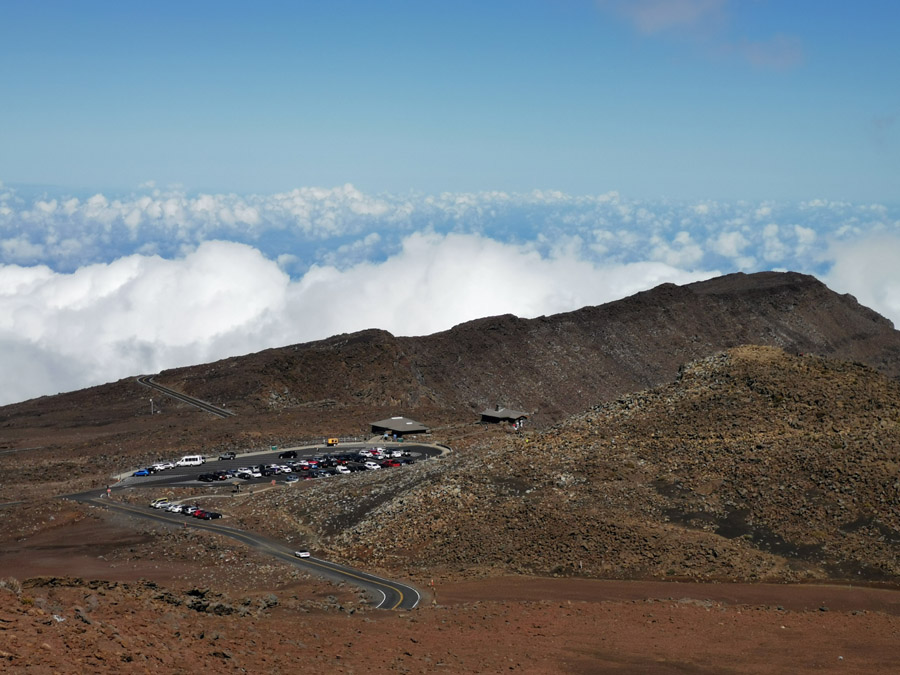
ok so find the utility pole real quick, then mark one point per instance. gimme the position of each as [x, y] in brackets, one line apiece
[151, 407]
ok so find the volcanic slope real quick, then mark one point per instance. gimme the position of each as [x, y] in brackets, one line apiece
[753, 465]
[551, 366]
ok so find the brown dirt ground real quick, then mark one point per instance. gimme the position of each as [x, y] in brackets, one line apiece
[509, 624]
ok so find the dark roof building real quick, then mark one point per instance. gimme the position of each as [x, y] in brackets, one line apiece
[500, 414]
[398, 425]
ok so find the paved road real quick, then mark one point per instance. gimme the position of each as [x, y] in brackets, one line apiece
[147, 381]
[384, 593]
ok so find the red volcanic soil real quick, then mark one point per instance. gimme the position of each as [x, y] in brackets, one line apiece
[141, 620]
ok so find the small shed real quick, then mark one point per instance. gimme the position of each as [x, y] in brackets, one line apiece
[400, 426]
[500, 414]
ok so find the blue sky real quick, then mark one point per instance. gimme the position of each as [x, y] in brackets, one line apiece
[180, 182]
[653, 98]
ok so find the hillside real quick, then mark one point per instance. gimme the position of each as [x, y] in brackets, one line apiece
[666, 446]
[552, 366]
[753, 465]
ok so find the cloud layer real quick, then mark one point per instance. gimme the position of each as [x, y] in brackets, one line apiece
[98, 288]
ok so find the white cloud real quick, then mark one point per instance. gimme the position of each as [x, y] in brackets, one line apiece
[331, 225]
[806, 237]
[774, 248]
[655, 16]
[729, 244]
[124, 284]
[19, 249]
[144, 313]
[708, 23]
[868, 270]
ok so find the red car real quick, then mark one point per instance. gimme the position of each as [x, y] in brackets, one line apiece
[390, 463]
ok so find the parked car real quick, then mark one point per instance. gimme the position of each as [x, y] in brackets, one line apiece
[288, 454]
[209, 515]
[340, 468]
[207, 477]
[142, 472]
[159, 502]
[162, 466]
[388, 463]
[291, 478]
[174, 508]
[371, 466]
[227, 455]
[198, 513]
[189, 510]
[191, 460]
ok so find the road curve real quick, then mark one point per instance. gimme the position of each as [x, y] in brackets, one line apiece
[147, 381]
[384, 593]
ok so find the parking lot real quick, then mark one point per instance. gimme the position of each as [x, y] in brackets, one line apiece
[287, 466]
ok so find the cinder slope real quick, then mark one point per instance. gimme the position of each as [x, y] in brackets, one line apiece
[754, 464]
[553, 366]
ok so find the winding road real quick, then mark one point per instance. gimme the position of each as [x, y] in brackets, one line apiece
[384, 593]
[147, 381]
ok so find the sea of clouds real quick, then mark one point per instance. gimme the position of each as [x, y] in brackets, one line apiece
[99, 287]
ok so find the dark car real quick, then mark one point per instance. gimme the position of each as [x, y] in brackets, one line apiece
[227, 455]
[209, 515]
[207, 477]
[288, 454]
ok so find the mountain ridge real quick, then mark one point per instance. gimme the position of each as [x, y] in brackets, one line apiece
[555, 365]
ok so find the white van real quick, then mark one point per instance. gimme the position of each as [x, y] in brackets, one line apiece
[190, 460]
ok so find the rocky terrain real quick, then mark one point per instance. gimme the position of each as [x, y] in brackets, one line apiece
[733, 432]
[753, 465]
[71, 625]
